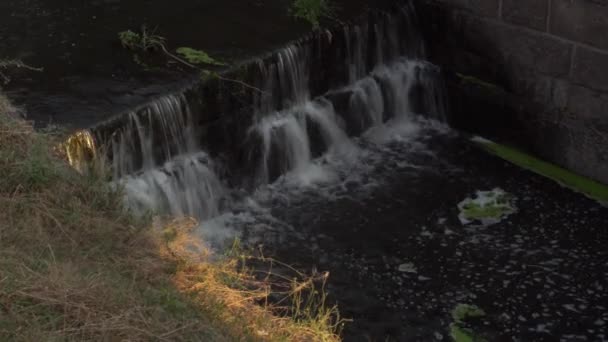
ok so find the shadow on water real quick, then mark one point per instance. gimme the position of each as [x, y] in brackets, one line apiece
[88, 76]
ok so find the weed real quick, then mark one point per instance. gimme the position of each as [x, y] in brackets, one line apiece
[194, 56]
[141, 41]
[313, 11]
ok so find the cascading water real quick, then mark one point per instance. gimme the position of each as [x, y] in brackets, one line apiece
[184, 186]
[286, 139]
[153, 135]
[293, 136]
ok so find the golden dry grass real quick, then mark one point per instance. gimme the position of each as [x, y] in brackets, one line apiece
[75, 266]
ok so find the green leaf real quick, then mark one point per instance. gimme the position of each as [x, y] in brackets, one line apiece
[197, 56]
[130, 39]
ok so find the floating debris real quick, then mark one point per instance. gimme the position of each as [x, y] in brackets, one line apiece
[488, 207]
[407, 268]
[464, 311]
[458, 330]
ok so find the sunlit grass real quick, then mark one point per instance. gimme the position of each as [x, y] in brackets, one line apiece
[74, 265]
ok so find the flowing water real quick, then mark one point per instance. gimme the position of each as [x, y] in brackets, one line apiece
[364, 181]
[157, 153]
[307, 144]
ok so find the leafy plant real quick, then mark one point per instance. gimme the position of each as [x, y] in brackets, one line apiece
[141, 41]
[194, 56]
[313, 11]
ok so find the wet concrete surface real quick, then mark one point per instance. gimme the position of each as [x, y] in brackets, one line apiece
[540, 275]
[88, 76]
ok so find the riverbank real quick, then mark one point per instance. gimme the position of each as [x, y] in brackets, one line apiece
[74, 265]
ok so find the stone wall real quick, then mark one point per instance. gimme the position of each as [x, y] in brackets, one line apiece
[528, 72]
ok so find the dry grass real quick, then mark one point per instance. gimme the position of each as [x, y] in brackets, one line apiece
[74, 266]
[298, 313]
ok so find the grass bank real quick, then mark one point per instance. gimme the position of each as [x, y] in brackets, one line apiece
[75, 266]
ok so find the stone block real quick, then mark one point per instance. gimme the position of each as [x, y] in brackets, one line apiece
[529, 13]
[588, 154]
[588, 104]
[581, 20]
[513, 47]
[551, 92]
[591, 68]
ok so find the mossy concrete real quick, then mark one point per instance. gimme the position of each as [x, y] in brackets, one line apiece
[566, 178]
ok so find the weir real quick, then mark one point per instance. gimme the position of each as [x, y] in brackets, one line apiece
[180, 153]
[333, 153]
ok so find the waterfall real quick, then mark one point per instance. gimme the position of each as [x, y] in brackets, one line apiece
[286, 138]
[153, 135]
[184, 186]
[306, 115]
[285, 81]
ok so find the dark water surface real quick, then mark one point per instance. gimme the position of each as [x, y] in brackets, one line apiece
[89, 76]
[540, 275]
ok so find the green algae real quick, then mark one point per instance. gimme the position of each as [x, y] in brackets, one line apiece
[464, 311]
[589, 187]
[488, 207]
[460, 334]
[460, 314]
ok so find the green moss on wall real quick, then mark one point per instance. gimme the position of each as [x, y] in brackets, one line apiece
[568, 179]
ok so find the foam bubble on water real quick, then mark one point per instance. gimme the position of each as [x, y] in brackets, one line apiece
[184, 186]
[396, 129]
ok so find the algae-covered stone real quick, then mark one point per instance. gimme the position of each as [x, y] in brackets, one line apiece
[488, 207]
